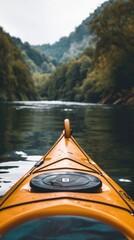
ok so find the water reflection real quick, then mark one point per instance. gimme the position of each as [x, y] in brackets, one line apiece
[29, 129]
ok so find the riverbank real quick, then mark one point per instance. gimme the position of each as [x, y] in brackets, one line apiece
[123, 97]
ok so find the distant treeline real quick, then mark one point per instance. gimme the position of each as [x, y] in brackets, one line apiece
[103, 74]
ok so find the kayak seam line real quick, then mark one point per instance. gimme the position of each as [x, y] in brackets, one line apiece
[21, 181]
[73, 160]
[132, 210]
[76, 169]
[87, 157]
[68, 198]
[43, 157]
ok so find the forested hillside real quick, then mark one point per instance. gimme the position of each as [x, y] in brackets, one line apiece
[69, 47]
[15, 79]
[105, 73]
[65, 83]
[37, 61]
[40, 65]
[94, 64]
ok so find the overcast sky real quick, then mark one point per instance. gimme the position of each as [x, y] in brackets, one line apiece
[44, 21]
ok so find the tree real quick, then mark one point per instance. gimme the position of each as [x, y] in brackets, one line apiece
[114, 53]
[15, 79]
[114, 26]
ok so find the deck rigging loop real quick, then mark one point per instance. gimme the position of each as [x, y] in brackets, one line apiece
[67, 130]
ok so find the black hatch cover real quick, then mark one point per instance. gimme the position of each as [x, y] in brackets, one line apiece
[65, 181]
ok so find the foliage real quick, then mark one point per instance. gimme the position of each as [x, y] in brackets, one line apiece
[114, 26]
[37, 61]
[103, 73]
[15, 80]
[113, 62]
[40, 81]
[99, 71]
[66, 81]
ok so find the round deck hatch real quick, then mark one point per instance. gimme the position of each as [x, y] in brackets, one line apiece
[65, 181]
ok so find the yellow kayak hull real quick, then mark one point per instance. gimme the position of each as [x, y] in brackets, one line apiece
[107, 203]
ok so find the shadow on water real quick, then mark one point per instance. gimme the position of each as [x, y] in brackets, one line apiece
[29, 129]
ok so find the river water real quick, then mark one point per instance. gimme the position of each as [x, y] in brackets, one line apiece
[29, 129]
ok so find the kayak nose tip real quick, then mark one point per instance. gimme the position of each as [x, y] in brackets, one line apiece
[67, 129]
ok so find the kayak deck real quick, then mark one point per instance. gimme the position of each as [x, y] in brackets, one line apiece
[66, 181]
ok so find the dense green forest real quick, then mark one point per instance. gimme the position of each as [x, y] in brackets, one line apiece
[37, 61]
[15, 79]
[105, 73]
[94, 64]
[40, 65]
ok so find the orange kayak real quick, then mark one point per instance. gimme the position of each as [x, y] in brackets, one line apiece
[66, 195]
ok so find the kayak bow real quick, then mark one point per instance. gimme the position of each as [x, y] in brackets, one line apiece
[66, 182]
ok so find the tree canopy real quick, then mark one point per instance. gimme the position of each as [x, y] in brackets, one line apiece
[105, 72]
[15, 79]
